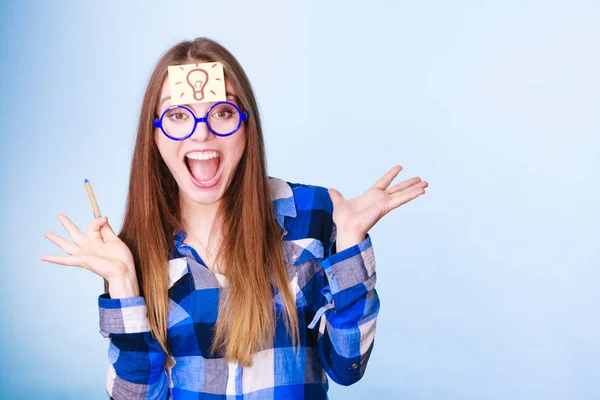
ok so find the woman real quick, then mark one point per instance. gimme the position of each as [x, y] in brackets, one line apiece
[224, 280]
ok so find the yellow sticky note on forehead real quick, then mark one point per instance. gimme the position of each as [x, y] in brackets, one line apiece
[197, 83]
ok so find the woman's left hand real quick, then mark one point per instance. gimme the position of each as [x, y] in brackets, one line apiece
[355, 217]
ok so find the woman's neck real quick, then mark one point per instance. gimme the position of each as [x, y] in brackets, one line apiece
[197, 220]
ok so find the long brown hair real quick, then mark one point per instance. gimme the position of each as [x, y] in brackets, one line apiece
[250, 249]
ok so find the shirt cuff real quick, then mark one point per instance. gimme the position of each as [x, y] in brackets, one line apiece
[351, 276]
[120, 316]
[350, 267]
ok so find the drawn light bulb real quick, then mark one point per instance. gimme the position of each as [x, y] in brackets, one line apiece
[197, 79]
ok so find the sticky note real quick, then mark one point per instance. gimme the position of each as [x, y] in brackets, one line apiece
[197, 83]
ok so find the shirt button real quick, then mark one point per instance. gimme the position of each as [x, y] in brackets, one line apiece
[295, 256]
[330, 276]
[354, 366]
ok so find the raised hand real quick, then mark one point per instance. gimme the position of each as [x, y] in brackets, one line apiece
[355, 217]
[102, 253]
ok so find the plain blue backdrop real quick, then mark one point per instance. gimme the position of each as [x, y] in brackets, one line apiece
[489, 283]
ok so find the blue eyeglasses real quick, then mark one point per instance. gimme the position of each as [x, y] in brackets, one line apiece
[222, 119]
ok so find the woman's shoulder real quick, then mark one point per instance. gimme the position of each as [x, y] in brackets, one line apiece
[307, 197]
[307, 210]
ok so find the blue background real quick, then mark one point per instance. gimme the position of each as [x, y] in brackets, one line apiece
[489, 283]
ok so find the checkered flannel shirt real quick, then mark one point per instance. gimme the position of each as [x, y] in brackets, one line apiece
[336, 303]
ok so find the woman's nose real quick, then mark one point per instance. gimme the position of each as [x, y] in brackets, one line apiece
[201, 132]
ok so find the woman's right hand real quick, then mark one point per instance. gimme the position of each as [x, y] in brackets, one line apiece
[102, 253]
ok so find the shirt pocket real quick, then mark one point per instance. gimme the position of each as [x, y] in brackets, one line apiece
[303, 262]
[299, 251]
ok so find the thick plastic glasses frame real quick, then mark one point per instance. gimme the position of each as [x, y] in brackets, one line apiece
[243, 117]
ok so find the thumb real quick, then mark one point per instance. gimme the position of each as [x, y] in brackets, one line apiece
[93, 230]
[107, 231]
[336, 196]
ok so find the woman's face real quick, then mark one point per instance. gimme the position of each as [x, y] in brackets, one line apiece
[202, 181]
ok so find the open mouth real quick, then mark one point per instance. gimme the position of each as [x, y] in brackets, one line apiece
[205, 172]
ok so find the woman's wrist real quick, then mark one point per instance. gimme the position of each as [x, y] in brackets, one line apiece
[123, 286]
[346, 240]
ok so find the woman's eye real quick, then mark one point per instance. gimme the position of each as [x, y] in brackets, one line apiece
[223, 113]
[177, 115]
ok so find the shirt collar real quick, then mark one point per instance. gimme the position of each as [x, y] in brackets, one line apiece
[282, 197]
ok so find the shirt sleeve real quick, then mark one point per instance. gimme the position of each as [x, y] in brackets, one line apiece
[348, 313]
[136, 369]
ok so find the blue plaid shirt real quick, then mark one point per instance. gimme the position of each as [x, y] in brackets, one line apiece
[336, 302]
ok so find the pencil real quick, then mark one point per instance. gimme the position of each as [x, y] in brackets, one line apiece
[90, 192]
[96, 211]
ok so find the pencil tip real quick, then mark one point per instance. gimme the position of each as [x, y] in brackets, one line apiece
[86, 181]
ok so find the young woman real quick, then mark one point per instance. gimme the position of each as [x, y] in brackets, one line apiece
[225, 281]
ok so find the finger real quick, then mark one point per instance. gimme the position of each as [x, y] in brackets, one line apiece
[72, 261]
[416, 182]
[403, 197]
[93, 230]
[61, 242]
[336, 196]
[107, 231]
[78, 236]
[386, 179]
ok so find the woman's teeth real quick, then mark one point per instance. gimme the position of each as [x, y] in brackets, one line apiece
[204, 155]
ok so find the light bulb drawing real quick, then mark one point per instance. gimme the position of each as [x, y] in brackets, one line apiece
[206, 81]
[197, 79]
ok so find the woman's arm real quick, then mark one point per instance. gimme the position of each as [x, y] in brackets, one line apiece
[136, 369]
[348, 330]
[348, 309]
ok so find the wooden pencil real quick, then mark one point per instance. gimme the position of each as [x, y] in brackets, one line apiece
[96, 210]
